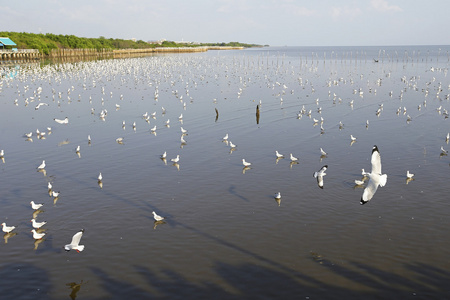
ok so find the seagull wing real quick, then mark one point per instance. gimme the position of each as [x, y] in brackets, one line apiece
[376, 161]
[76, 238]
[320, 181]
[371, 188]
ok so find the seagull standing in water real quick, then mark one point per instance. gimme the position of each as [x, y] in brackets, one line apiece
[37, 235]
[375, 177]
[41, 166]
[319, 175]
[278, 154]
[246, 163]
[409, 175]
[7, 229]
[35, 206]
[293, 158]
[75, 243]
[37, 225]
[157, 217]
[59, 121]
[277, 195]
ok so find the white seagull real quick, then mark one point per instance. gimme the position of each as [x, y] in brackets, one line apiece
[75, 243]
[443, 151]
[35, 206]
[319, 176]
[176, 159]
[59, 121]
[7, 229]
[37, 225]
[409, 175]
[352, 138]
[375, 177]
[246, 163]
[41, 166]
[37, 235]
[277, 195]
[293, 158]
[225, 137]
[359, 182]
[157, 217]
[232, 145]
[322, 152]
[100, 177]
[164, 155]
[278, 154]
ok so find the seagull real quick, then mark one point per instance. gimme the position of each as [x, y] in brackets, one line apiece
[39, 105]
[322, 152]
[100, 177]
[278, 154]
[352, 138]
[35, 206]
[77, 150]
[375, 177]
[37, 235]
[364, 173]
[359, 182]
[319, 175]
[443, 151]
[153, 129]
[225, 137]
[176, 159]
[59, 121]
[277, 195]
[232, 145]
[28, 135]
[447, 138]
[164, 155]
[157, 217]
[119, 140]
[7, 229]
[293, 158]
[183, 131]
[245, 163]
[2, 153]
[75, 243]
[37, 225]
[55, 194]
[49, 185]
[41, 166]
[409, 175]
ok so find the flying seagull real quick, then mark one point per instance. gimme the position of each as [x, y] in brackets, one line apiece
[375, 177]
[75, 244]
[319, 175]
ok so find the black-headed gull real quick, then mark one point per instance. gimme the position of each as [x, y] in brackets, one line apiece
[7, 229]
[375, 177]
[37, 235]
[41, 166]
[246, 163]
[322, 152]
[59, 121]
[75, 243]
[37, 225]
[55, 194]
[157, 217]
[164, 155]
[35, 206]
[176, 159]
[277, 195]
[319, 175]
[279, 155]
[119, 140]
[359, 182]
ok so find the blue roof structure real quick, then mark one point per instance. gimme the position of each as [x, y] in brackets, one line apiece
[4, 41]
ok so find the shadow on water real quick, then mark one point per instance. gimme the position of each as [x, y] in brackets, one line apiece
[251, 281]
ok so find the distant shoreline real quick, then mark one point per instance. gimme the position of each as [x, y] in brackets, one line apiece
[104, 53]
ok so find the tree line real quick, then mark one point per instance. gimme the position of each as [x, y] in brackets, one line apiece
[46, 42]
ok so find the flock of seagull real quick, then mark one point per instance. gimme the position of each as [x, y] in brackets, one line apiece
[375, 177]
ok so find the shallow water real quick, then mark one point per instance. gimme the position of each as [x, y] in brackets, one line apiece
[224, 235]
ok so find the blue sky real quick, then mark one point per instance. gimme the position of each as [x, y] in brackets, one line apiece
[274, 22]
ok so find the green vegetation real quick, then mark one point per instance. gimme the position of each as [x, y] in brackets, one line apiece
[46, 42]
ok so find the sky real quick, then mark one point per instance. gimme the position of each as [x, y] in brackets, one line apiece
[264, 22]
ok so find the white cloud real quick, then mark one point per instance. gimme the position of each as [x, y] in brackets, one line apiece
[298, 10]
[345, 12]
[383, 6]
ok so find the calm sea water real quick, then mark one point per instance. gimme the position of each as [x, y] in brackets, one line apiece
[224, 235]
